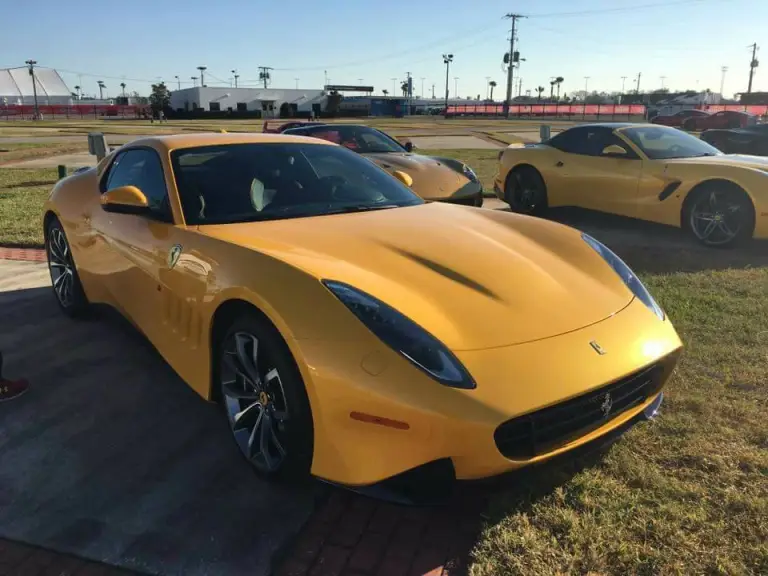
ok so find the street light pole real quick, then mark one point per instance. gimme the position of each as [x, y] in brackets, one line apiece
[236, 75]
[31, 64]
[202, 75]
[455, 86]
[447, 59]
[586, 87]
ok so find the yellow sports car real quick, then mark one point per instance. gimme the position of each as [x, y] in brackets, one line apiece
[643, 171]
[347, 327]
[434, 178]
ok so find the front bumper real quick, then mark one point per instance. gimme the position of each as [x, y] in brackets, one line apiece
[440, 423]
[467, 194]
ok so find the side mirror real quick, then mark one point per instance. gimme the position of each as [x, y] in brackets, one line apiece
[125, 200]
[403, 177]
[409, 146]
[614, 150]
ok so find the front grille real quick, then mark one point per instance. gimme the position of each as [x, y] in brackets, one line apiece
[542, 431]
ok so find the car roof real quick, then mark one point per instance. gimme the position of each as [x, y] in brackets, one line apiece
[179, 141]
[611, 125]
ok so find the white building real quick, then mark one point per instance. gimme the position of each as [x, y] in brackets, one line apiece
[266, 100]
[16, 87]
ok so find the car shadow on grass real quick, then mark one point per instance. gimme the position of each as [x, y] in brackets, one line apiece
[651, 248]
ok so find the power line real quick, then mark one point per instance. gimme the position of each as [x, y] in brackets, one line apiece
[614, 10]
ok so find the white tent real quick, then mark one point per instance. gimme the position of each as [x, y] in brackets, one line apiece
[16, 87]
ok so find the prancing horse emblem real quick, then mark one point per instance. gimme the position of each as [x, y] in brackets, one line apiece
[173, 255]
[606, 406]
[597, 348]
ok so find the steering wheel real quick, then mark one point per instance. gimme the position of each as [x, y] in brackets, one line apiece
[676, 148]
[334, 183]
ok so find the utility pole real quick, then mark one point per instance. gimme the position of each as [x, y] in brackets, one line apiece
[623, 80]
[637, 86]
[752, 65]
[178, 82]
[519, 86]
[236, 75]
[409, 83]
[394, 90]
[31, 64]
[433, 91]
[510, 70]
[422, 87]
[264, 75]
[325, 75]
[487, 86]
[202, 75]
[447, 59]
[455, 86]
[724, 69]
[662, 78]
[586, 85]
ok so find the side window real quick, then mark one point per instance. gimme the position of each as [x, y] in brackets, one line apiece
[572, 140]
[143, 169]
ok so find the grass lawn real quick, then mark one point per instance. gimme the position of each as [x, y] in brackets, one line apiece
[15, 152]
[22, 195]
[687, 494]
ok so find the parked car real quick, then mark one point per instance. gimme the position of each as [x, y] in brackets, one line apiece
[722, 119]
[643, 171]
[676, 120]
[349, 329]
[280, 126]
[750, 140]
[433, 178]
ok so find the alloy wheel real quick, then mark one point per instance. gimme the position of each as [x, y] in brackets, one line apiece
[717, 218]
[61, 267]
[526, 193]
[255, 401]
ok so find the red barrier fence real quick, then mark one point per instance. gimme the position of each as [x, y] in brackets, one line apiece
[77, 111]
[756, 109]
[560, 110]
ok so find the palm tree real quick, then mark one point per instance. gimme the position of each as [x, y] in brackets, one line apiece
[493, 85]
[552, 89]
[101, 89]
[122, 85]
[77, 89]
[385, 92]
[540, 89]
[404, 88]
[558, 81]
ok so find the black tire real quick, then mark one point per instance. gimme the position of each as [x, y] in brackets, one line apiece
[719, 215]
[281, 394]
[67, 288]
[525, 191]
[479, 201]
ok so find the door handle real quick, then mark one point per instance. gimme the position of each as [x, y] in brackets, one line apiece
[559, 164]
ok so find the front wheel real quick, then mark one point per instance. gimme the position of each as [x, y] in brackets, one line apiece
[265, 399]
[720, 215]
[525, 191]
[64, 277]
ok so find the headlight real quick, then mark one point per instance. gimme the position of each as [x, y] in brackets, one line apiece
[469, 173]
[626, 274]
[404, 336]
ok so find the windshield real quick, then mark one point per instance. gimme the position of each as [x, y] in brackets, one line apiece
[248, 182]
[662, 143]
[361, 139]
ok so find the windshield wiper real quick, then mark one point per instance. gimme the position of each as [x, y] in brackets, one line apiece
[361, 208]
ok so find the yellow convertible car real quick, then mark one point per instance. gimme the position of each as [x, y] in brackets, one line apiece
[434, 178]
[643, 171]
[348, 328]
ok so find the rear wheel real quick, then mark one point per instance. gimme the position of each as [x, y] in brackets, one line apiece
[265, 399]
[66, 282]
[525, 191]
[479, 200]
[720, 215]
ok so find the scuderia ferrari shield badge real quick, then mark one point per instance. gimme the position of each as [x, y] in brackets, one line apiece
[173, 255]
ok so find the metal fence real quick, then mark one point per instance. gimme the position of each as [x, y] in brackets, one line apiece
[75, 112]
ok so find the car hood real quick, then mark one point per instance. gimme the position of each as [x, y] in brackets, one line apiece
[739, 160]
[474, 278]
[433, 179]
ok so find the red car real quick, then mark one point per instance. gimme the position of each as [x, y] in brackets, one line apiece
[676, 120]
[722, 119]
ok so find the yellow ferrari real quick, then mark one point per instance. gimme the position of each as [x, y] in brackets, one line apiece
[434, 178]
[348, 328]
[643, 171]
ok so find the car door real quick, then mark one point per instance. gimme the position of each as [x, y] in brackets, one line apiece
[137, 245]
[594, 180]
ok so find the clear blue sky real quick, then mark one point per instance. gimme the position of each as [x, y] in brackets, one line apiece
[142, 40]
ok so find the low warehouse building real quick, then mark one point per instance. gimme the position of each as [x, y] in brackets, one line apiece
[268, 101]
